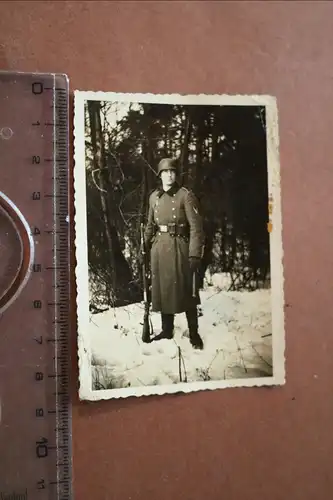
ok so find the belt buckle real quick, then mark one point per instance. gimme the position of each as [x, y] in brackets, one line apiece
[163, 228]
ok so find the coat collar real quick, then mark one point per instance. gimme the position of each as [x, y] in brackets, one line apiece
[173, 190]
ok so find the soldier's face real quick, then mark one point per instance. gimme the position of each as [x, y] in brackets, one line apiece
[168, 177]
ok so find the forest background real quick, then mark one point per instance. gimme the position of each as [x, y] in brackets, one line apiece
[222, 158]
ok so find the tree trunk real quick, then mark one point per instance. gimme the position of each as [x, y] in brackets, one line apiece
[224, 244]
[97, 142]
[122, 290]
[184, 153]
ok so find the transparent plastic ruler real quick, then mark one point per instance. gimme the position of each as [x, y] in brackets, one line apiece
[35, 411]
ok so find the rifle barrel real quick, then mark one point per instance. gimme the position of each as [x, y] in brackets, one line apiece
[194, 285]
[146, 329]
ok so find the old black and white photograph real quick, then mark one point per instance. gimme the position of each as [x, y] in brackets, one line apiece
[179, 260]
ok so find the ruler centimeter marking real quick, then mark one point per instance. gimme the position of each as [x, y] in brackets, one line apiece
[47, 214]
[61, 270]
[60, 477]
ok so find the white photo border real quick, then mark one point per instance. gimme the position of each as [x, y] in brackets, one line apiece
[276, 247]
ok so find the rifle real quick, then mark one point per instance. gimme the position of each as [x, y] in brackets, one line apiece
[146, 326]
[194, 284]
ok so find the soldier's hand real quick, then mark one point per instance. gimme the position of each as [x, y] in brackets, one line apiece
[194, 263]
[144, 258]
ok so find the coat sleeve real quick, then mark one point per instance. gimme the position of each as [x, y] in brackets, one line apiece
[149, 231]
[195, 220]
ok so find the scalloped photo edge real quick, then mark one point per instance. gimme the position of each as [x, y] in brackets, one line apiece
[85, 354]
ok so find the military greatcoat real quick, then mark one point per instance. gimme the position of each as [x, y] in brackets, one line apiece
[171, 278]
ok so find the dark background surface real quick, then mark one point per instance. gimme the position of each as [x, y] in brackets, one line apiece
[275, 443]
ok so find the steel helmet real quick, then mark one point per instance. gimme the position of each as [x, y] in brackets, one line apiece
[166, 164]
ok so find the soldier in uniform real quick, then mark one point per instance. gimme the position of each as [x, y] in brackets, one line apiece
[174, 238]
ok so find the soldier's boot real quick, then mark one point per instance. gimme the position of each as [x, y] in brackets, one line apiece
[192, 321]
[167, 327]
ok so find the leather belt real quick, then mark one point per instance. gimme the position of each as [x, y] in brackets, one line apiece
[174, 229]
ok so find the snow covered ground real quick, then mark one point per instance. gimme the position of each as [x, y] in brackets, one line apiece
[235, 327]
